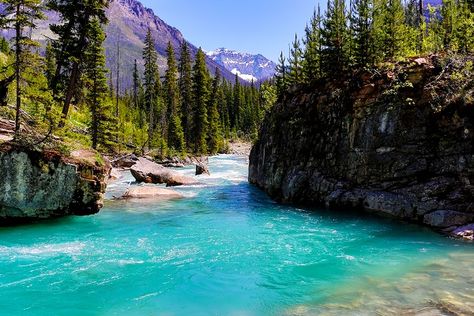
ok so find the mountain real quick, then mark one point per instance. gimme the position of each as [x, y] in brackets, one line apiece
[129, 21]
[247, 66]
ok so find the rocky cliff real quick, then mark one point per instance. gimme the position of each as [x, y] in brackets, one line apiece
[40, 184]
[398, 141]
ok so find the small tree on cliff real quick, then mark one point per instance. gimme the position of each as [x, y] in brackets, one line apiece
[295, 74]
[281, 76]
[312, 51]
[362, 28]
[335, 38]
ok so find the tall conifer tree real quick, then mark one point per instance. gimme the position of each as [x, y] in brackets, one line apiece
[312, 52]
[20, 15]
[150, 81]
[200, 100]
[362, 32]
[335, 38]
[185, 88]
[175, 129]
[281, 75]
[95, 80]
[295, 74]
[214, 134]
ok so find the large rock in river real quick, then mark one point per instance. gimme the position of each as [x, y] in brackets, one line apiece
[151, 192]
[149, 172]
[399, 142]
[40, 184]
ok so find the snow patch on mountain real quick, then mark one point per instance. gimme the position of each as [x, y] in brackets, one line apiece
[245, 77]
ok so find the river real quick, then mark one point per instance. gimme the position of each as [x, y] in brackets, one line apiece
[226, 249]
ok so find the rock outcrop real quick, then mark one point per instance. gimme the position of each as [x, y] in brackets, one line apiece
[399, 142]
[202, 168]
[41, 184]
[149, 172]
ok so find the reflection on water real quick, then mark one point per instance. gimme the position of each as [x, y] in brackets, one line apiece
[226, 249]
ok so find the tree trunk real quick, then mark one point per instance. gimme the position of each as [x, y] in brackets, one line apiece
[151, 127]
[75, 74]
[69, 93]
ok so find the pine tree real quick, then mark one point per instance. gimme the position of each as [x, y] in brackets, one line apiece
[200, 99]
[185, 88]
[448, 16]
[215, 140]
[464, 27]
[433, 37]
[175, 130]
[312, 51]
[227, 99]
[335, 38]
[71, 42]
[95, 79]
[362, 32]
[390, 29]
[136, 86]
[117, 85]
[20, 15]
[295, 74]
[223, 109]
[150, 80]
[281, 76]
[159, 117]
[235, 114]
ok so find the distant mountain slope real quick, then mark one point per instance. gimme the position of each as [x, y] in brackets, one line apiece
[129, 21]
[247, 66]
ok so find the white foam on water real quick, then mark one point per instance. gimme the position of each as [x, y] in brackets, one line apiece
[146, 296]
[26, 280]
[71, 248]
[180, 254]
[126, 262]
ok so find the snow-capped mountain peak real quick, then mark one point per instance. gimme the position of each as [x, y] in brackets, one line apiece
[247, 66]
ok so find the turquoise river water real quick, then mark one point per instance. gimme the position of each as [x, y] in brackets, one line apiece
[226, 249]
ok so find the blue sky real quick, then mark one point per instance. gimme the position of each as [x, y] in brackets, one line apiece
[253, 26]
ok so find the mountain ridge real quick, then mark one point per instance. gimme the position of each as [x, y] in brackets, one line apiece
[129, 21]
[249, 67]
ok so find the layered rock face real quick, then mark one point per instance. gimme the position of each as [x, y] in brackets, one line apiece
[399, 142]
[45, 184]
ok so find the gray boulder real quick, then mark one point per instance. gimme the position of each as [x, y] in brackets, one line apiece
[151, 192]
[149, 172]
